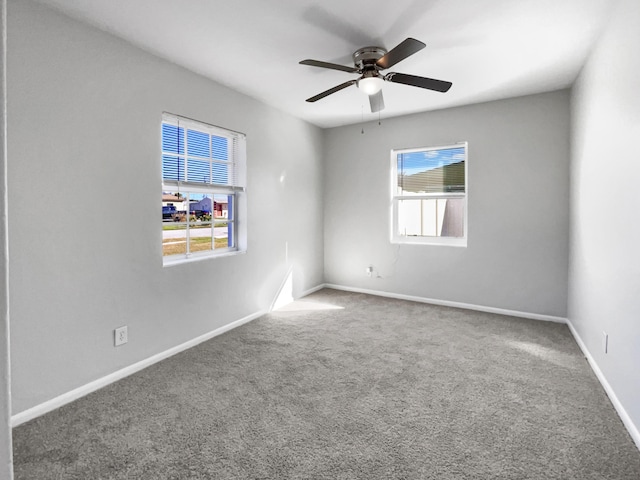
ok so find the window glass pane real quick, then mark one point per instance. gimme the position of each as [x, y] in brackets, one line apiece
[172, 139]
[223, 216]
[173, 206]
[436, 217]
[223, 233]
[172, 167]
[219, 148]
[230, 207]
[221, 206]
[431, 171]
[198, 143]
[220, 173]
[200, 237]
[174, 238]
[200, 206]
[199, 170]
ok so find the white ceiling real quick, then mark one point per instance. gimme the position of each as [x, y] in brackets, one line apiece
[489, 49]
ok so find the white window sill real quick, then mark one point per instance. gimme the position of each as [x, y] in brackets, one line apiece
[438, 241]
[174, 260]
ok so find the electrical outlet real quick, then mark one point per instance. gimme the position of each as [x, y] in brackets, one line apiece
[121, 336]
[369, 271]
[605, 342]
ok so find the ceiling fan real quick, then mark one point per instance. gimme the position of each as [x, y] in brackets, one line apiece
[369, 61]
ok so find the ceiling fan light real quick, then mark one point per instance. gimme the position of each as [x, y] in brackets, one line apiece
[370, 85]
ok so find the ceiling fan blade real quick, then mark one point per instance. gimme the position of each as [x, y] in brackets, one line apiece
[331, 90]
[332, 66]
[403, 50]
[422, 82]
[376, 101]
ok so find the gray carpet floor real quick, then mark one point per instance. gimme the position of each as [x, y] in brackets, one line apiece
[347, 386]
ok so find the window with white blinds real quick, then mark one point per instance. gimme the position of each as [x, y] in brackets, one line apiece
[201, 154]
[203, 182]
[429, 195]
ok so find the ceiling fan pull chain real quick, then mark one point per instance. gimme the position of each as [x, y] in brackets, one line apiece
[362, 119]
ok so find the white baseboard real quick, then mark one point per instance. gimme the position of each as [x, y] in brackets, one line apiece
[447, 303]
[312, 290]
[80, 392]
[90, 387]
[622, 413]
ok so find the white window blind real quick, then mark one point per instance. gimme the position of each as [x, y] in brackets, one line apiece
[195, 154]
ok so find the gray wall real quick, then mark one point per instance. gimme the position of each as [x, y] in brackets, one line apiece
[5, 396]
[604, 274]
[84, 117]
[518, 169]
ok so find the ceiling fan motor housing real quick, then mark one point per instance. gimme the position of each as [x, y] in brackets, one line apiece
[365, 58]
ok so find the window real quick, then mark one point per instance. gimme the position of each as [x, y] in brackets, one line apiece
[429, 195]
[203, 176]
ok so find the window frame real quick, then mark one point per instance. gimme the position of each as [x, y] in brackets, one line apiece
[395, 198]
[235, 187]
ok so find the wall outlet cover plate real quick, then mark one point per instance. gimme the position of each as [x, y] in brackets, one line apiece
[121, 336]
